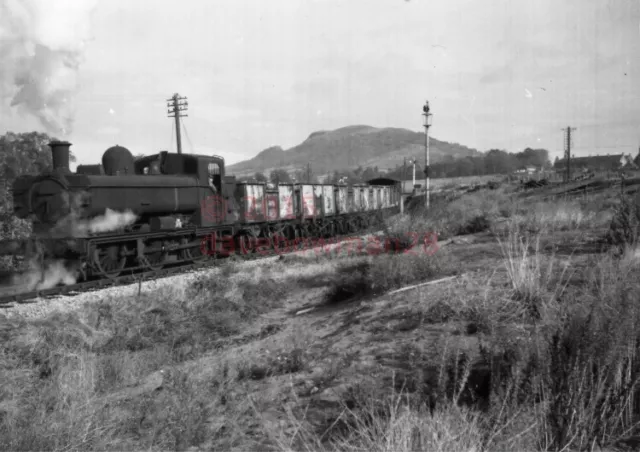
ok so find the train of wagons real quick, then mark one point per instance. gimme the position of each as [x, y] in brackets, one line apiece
[146, 213]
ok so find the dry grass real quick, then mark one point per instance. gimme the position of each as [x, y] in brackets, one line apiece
[538, 352]
[357, 278]
[536, 279]
[77, 381]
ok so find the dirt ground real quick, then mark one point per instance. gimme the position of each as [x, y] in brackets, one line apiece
[324, 352]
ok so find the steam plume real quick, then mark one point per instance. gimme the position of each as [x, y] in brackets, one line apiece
[41, 48]
[39, 278]
[111, 220]
[73, 226]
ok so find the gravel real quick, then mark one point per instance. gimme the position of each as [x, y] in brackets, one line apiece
[40, 307]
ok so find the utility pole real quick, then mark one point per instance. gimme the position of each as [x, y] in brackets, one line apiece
[413, 162]
[176, 105]
[427, 124]
[404, 174]
[567, 150]
[308, 172]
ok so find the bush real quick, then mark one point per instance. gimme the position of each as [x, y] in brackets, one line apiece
[625, 224]
[377, 275]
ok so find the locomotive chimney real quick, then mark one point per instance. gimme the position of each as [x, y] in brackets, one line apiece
[60, 154]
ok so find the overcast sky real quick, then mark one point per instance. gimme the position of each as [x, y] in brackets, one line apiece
[498, 73]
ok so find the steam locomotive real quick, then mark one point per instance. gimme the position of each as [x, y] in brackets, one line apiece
[128, 214]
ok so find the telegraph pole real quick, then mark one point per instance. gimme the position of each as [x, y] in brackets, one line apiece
[308, 172]
[176, 105]
[404, 170]
[413, 162]
[567, 150]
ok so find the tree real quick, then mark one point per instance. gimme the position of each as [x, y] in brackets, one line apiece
[500, 162]
[260, 177]
[304, 176]
[25, 153]
[280, 176]
[535, 157]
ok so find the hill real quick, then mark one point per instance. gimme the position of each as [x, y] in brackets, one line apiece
[349, 148]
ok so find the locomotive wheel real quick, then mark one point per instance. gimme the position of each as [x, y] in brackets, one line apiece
[193, 254]
[109, 261]
[154, 261]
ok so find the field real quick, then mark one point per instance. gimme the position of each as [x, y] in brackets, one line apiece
[526, 338]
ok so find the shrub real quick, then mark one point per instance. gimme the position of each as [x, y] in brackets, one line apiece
[625, 224]
[356, 279]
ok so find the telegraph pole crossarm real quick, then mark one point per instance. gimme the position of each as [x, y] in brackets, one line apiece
[176, 106]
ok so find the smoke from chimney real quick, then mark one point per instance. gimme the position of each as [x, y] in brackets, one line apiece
[41, 48]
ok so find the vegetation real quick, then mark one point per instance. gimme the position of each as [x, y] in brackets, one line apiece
[530, 343]
[494, 161]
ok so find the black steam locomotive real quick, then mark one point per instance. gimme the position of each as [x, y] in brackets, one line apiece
[128, 214]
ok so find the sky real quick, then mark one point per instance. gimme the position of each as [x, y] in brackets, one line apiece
[498, 73]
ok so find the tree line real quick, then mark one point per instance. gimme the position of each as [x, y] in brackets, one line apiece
[495, 161]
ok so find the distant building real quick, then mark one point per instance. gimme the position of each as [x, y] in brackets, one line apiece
[527, 169]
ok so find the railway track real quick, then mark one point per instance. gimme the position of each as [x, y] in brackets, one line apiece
[32, 296]
[7, 301]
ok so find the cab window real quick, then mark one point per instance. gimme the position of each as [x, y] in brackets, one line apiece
[213, 176]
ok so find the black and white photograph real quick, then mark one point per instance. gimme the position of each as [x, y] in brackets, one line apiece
[320, 225]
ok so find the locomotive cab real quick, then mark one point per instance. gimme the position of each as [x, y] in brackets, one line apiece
[209, 170]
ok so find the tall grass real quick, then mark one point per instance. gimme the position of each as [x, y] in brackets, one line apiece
[535, 278]
[586, 366]
[567, 380]
[89, 380]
